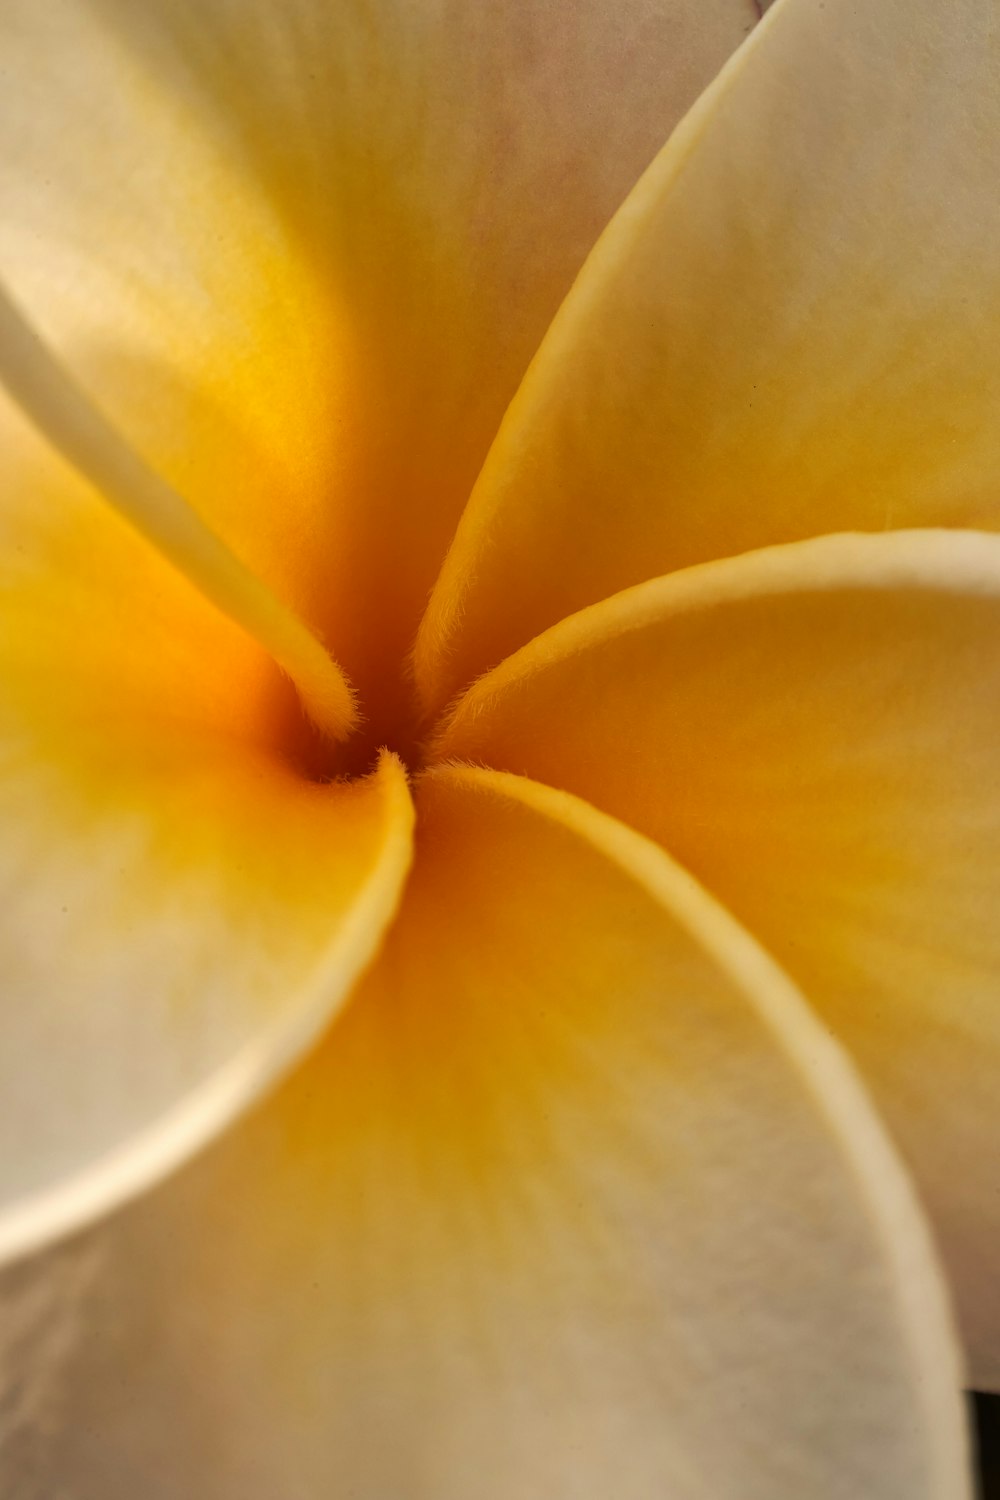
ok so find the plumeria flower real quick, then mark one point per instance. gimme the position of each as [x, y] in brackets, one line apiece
[500, 780]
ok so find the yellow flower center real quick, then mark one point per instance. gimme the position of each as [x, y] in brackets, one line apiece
[59, 408]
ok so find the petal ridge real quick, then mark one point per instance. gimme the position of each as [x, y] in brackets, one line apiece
[27, 1225]
[963, 562]
[759, 348]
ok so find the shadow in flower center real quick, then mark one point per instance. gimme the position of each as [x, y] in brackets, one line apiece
[395, 726]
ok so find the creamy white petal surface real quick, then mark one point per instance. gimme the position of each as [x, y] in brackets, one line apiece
[790, 329]
[576, 1200]
[813, 731]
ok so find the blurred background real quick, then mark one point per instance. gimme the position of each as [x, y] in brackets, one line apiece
[988, 1423]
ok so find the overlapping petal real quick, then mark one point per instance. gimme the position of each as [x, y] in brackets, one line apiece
[574, 1186]
[813, 730]
[789, 329]
[156, 269]
[173, 938]
[303, 252]
[576, 1183]
[184, 901]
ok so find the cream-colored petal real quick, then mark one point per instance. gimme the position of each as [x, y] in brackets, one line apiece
[173, 293]
[185, 903]
[575, 1200]
[814, 730]
[789, 329]
[182, 912]
[304, 251]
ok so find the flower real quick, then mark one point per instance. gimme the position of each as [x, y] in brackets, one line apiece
[647, 772]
